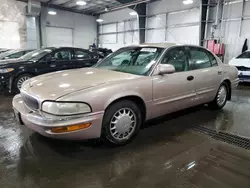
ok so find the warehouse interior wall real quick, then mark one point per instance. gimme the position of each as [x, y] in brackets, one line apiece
[83, 28]
[174, 22]
[13, 32]
[232, 28]
[118, 29]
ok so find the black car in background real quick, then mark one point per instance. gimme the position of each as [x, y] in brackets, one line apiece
[2, 50]
[13, 54]
[102, 52]
[14, 72]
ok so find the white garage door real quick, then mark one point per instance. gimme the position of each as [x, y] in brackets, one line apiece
[56, 36]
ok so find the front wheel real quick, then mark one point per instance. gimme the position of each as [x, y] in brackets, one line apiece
[121, 122]
[221, 97]
[18, 82]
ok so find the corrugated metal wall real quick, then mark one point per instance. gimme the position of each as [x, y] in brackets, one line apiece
[118, 29]
[166, 21]
[172, 21]
[233, 25]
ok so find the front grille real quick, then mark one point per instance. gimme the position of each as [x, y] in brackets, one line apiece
[244, 77]
[30, 101]
[242, 68]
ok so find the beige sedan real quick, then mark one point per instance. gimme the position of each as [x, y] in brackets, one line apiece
[112, 100]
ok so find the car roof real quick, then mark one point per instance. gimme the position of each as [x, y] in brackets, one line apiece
[164, 45]
[157, 45]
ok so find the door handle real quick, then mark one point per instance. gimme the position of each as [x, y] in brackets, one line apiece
[190, 78]
[220, 71]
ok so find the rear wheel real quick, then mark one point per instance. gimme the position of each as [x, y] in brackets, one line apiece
[17, 84]
[121, 122]
[221, 97]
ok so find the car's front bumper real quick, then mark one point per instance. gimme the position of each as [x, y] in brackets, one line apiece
[243, 78]
[4, 81]
[42, 125]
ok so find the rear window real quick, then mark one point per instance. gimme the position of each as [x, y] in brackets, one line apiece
[245, 55]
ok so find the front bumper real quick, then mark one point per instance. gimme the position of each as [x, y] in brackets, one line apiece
[243, 78]
[4, 81]
[42, 125]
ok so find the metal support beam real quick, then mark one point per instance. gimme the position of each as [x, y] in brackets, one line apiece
[203, 10]
[141, 11]
[242, 14]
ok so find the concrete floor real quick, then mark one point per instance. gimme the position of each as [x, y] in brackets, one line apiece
[166, 153]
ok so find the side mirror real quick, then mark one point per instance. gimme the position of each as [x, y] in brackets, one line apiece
[165, 69]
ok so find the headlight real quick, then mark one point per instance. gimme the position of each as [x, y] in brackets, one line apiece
[65, 108]
[6, 70]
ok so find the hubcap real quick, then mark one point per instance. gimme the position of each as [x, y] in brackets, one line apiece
[21, 80]
[123, 124]
[222, 95]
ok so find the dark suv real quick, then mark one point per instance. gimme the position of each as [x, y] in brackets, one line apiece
[14, 72]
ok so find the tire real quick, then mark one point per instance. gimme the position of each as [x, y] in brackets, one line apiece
[123, 117]
[221, 97]
[19, 80]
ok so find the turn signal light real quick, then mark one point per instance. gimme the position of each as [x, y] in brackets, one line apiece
[70, 128]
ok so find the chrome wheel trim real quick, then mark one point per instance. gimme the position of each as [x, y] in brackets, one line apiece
[222, 95]
[123, 124]
[21, 80]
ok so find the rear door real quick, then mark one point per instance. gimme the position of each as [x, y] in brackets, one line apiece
[83, 58]
[207, 73]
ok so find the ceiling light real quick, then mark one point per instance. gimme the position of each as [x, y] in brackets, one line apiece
[81, 3]
[133, 13]
[99, 20]
[188, 2]
[52, 12]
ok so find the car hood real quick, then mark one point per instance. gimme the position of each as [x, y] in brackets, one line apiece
[57, 84]
[5, 63]
[240, 63]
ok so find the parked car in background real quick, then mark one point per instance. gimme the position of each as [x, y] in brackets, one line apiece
[242, 63]
[2, 50]
[14, 72]
[13, 54]
[102, 52]
[112, 101]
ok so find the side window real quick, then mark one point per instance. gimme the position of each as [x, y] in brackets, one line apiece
[25, 52]
[199, 59]
[212, 59]
[16, 55]
[82, 55]
[62, 55]
[178, 58]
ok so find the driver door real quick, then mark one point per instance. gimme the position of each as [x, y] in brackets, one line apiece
[173, 92]
[56, 61]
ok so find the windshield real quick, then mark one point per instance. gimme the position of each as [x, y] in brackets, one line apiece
[4, 54]
[37, 54]
[134, 60]
[245, 55]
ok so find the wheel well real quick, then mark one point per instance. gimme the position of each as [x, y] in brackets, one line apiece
[229, 87]
[137, 100]
[13, 79]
